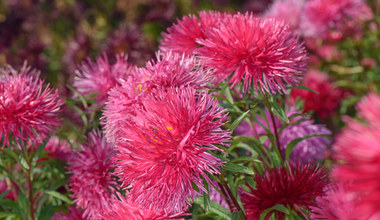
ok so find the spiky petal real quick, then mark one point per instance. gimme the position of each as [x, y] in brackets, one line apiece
[295, 187]
[163, 150]
[28, 111]
[100, 76]
[262, 53]
[91, 181]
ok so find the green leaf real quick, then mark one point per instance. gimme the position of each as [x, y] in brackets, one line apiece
[59, 196]
[293, 143]
[206, 197]
[237, 216]
[278, 207]
[238, 120]
[228, 95]
[215, 208]
[238, 168]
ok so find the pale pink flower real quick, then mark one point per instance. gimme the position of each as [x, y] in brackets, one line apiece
[326, 18]
[289, 11]
[28, 110]
[91, 181]
[97, 78]
[162, 151]
[181, 37]
[262, 53]
[369, 109]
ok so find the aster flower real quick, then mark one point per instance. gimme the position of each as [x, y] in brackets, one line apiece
[162, 150]
[73, 214]
[27, 110]
[323, 17]
[295, 187]
[324, 103]
[125, 209]
[181, 37]
[249, 49]
[357, 151]
[288, 10]
[58, 149]
[368, 109]
[91, 181]
[101, 76]
[309, 150]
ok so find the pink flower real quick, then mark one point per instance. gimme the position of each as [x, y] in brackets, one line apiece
[181, 37]
[91, 182]
[357, 160]
[73, 214]
[127, 210]
[98, 78]
[264, 52]
[162, 151]
[58, 149]
[294, 187]
[288, 10]
[322, 18]
[27, 110]
[326, 102]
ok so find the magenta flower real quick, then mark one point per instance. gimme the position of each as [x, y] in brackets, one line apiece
[73, 214]
[28, 111]
[357, 154]
[91, 181]
[294, 187]
[326, 102]
[181, 37]
[249, 49]
[125, 209]
[162, 151]
[322, 18]
[98, 78]
[368, 109]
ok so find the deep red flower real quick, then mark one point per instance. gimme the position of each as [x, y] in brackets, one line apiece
[181, 37]
[28, 110]
[262, 53]
[91, 181]
[326, 102]
[100, 76]
[162, 151]
[294, 187]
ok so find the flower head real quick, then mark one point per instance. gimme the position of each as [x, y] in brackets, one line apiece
[58, 149]
[28, 111]
[288, 10]
[357, 151]
[162, 151]
[294, 187]
[98, 78]
[324, 103]
[249, 49]
[91, 181]
[181, 37]
[73, 214]
[368, 109]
